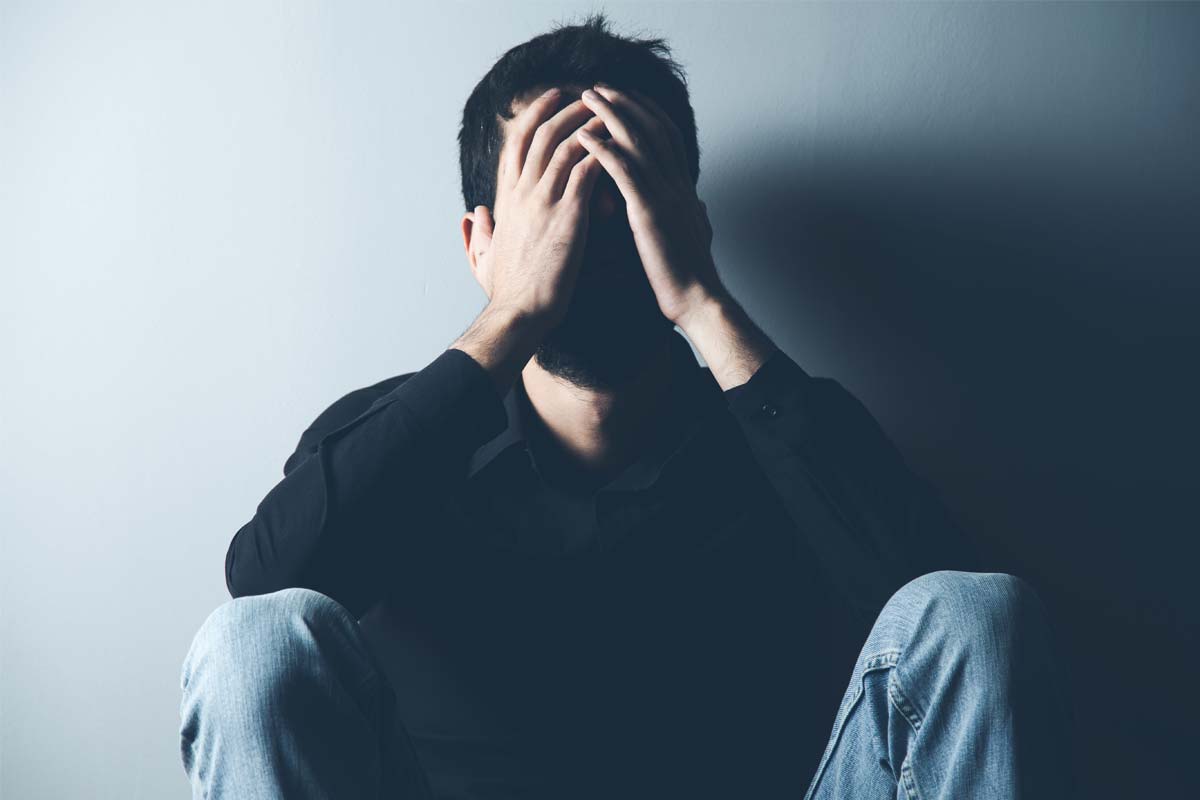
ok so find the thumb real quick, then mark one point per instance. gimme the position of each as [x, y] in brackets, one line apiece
[483, 215]
[481, 241]
[484, 230]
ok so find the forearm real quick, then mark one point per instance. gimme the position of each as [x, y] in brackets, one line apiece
[359, 476]
[732, 345]
[866, 515]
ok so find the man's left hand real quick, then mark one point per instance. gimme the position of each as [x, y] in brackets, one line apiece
[646, 158]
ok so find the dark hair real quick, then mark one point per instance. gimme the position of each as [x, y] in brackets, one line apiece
[567, 54]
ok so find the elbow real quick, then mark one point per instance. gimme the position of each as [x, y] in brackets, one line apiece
[233, 582]
[245, 572]
[254, 564]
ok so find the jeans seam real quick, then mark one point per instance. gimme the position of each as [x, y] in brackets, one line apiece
[882, 660]
[906, 707]
[915, 718]
[907, 781]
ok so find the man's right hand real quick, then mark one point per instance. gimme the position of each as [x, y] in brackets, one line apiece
[528, 256]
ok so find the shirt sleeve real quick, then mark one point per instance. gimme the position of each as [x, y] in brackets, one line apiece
[872, 522]
[336, 521]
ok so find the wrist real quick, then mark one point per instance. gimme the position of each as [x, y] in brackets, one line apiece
[502, 339]
[732, 345]
[516, 323]
[705, 311]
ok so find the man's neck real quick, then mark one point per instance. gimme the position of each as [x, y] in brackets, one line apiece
[593, 434]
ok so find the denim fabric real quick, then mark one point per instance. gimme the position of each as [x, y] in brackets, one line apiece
[955, 695]
[282, 699]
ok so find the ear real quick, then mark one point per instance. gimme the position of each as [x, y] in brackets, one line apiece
[477, 227]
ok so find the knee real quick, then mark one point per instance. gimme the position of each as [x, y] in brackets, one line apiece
[252, 646]
[986, 619]
[971, 599]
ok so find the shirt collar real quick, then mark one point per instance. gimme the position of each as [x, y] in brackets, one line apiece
[692, 390]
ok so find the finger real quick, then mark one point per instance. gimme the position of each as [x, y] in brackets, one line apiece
[648, 122]
[678, 146]
[518, 140]
[568, 153]
[484, 229]
[482, 242]
[583, 180]
[620, 126]
[616, 163]
[547, 138]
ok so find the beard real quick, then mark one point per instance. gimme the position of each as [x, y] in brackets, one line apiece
[613, 327]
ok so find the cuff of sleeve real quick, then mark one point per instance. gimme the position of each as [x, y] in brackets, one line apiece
[776, 388]
[454, 397]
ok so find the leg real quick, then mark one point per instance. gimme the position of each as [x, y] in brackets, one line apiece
[282, 698]
[954, 695]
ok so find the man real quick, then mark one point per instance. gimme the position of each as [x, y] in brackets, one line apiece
[564, 560]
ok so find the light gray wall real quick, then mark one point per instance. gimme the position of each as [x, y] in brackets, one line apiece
[217, 218]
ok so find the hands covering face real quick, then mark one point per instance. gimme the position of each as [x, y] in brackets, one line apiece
[646, 158]
[528, 263]
[547, 171]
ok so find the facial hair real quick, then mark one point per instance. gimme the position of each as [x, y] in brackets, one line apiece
[613, 326]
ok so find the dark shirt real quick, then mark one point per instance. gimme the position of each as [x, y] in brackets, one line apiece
[685, 630]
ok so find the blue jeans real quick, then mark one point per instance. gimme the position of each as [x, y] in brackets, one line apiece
[954, 695]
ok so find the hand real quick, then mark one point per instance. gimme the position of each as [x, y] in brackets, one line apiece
[528, 256]
[646, 158]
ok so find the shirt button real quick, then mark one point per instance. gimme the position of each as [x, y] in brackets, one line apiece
[769, 409]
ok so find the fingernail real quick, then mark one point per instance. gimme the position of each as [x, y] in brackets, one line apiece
[586, 136]
[550, 92]
[590, 95]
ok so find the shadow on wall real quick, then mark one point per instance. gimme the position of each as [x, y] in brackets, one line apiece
[1025, 325]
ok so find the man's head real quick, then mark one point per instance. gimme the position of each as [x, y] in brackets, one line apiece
[613, 323]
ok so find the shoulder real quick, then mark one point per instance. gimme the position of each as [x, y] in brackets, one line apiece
[348, 407]
[355, 402]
